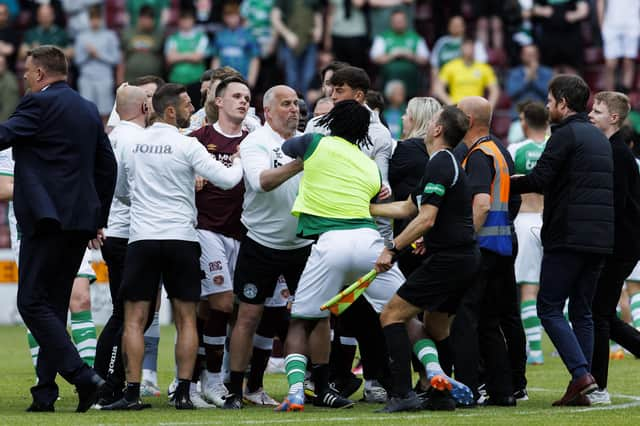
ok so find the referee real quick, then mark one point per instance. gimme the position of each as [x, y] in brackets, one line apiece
[442, 202]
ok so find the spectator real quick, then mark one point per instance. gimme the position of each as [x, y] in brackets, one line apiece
[396, 96]
[97, 52]
[346, 33]
[528, 81]
[449, 47]
[77, 12]
[235, 46]
[466, 77]
[299, 24]
[46, 32]
[13, 8]
[559, 35]
[375, 101]
[185, 51]
[489, 17]
[620, 31]
[8, 90]
[32, 6]
[321, 84]
[401, 52]
[8, 37]
[160, 9]
[380, 12]
[257, 14]
[142, 47]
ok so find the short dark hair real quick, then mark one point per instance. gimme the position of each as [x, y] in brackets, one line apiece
[375, 100]
[95, 11]
[51, 58]
[206, 76]
[572, 89]
[333, 66]
[354, 77]
[166, 96]
[187, 12]
[535, 115]
[147, 11]
[226, 82]
[146, 79]
[455, 124]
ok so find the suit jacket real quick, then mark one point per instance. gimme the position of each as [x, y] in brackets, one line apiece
[65, 170]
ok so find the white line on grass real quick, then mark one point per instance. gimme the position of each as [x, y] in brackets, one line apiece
[635, 403]
[460, 413]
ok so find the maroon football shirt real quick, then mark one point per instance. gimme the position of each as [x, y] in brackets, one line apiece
[219, 210]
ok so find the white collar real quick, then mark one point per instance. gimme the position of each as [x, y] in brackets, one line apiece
[218, 129]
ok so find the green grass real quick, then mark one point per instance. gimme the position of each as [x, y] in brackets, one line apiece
[546, 383]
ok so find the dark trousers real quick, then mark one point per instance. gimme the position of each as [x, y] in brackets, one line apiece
[606, 323]
[363, 322]
[511, 325]
[572, 275]
[108, 363]
[48, 265]
[476, 332]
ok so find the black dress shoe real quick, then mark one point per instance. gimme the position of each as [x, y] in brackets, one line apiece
[438, 400]
[409, 402]
[501, 401]
[37, 407]
[88, 394]
[123, 404]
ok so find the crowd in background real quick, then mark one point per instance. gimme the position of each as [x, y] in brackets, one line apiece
[506, 50]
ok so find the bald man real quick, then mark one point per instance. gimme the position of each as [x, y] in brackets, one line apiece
[131, 105]
[271, 247]
[484, 304]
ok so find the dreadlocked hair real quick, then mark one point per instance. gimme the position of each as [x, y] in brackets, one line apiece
[348, 120]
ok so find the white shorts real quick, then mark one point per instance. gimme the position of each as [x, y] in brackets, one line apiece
[218, 261]
[619, 44]
[281, 295]
[529, 257]
[338, 259]
[635, 274]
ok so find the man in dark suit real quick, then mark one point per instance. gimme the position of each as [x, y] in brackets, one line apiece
[64, 181]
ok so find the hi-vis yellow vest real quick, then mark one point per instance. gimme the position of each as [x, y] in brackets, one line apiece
[495, 235]
[339, 181]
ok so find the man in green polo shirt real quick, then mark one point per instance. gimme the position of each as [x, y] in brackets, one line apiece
[46, 32]
[401, 52]
[332, 206]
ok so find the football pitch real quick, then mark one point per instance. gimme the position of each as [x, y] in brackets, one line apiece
[546, 383]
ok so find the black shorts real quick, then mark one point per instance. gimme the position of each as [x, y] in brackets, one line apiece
[258, 268]
[440, 282]
[175, 262]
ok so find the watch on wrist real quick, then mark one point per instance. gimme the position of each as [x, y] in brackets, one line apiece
[391, 246]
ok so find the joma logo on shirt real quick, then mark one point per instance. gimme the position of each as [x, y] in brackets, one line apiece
[152, 149]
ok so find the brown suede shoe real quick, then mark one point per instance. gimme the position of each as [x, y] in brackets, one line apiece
[577, 388]
[580, 401]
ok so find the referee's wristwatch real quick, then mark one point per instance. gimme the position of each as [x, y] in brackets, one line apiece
[391, 246]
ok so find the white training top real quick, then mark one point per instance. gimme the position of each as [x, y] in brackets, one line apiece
[267, 215]
[124, 135]
[158, 181]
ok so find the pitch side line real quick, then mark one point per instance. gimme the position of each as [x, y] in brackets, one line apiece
[462, 413]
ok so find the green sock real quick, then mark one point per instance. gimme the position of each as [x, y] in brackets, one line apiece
[34, 348]
[634, 306]
[295, 365]
[532, 327]
[83, 333]
[425, 350]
